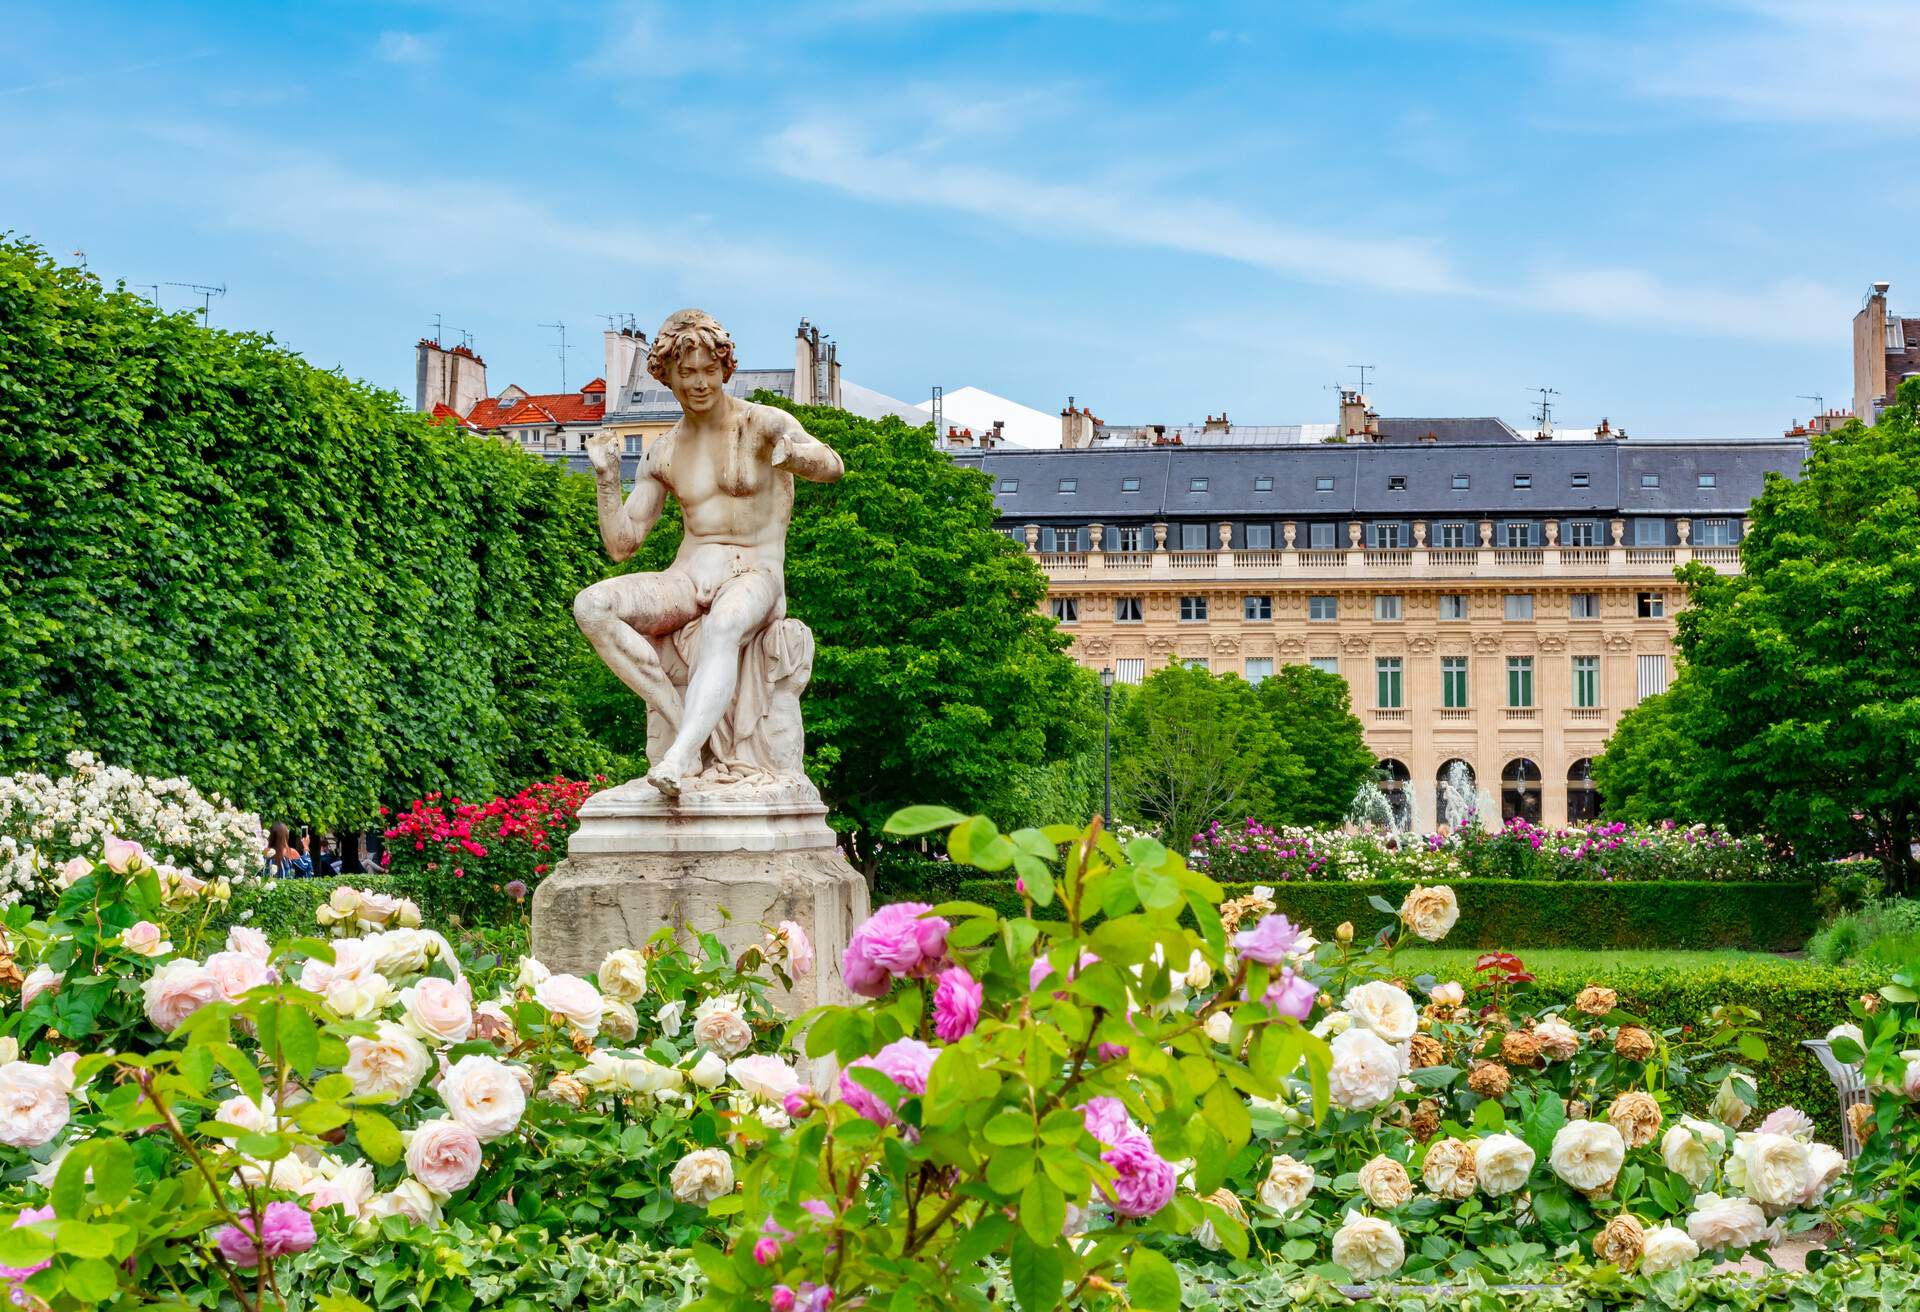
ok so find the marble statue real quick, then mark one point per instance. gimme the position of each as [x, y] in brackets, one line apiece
[706, 642]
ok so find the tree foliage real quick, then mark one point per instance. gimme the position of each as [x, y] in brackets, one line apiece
[1313, 711]
[219, 561]
[1796, 709]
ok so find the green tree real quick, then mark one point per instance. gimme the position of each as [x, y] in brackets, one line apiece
[1798, 686]
[1192, 747]
[935, 673]
[1648, 771]
[1312, 711]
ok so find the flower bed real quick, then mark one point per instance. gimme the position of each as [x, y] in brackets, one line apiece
[475, 860]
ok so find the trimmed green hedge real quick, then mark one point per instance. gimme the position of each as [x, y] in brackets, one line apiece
[1501, 913]
[283, 908]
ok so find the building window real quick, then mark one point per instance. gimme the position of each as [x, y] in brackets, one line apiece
[633, 446]
[1584, 606]
[1461, 482]
[1582, 479]
[1706, 480]
[1653, 676]
[1263, 483]
[1649, 532]
[1320, 537]
[1259, 668]
[1386, 607]
[1519, 681]
[1196, 485]
[1069, 485]
[1323, 484]
[1583, 533]
[1193, 537]
[1257, 608]
[1519, 534]
[1453, 605]
[1396, 482]
[1519, 605]
[1713, 532]
[1323, 608]
[1453, 682]
[1193, 610]
[1649, 480]
[1325, 664]
[1066, 610]
[1523, 480]
[1259, 537]
[1586, 681]
[1127, 610]
[1129, 485]
[1009, 485]
[1386, 681]
[1198, 663]
[1386, 536]
[1652, 605]
[1130, 538]
[1453, 537]
[1130, 669]
[1060, 539]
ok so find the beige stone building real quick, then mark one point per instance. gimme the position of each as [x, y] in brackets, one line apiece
[1491, 600]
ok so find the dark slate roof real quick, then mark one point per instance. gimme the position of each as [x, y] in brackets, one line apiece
[1363, 477]
[655, 403]
[1482, 429]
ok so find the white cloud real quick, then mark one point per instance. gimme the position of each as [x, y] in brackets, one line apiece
[1785, 310]
[652, 40]
[406, 48]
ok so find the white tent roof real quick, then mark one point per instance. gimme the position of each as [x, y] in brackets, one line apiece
[976, 408]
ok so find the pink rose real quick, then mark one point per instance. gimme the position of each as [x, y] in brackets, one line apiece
[352, 960]
[438, 1009]
[1107, 1120]
[1042, 968]
[956, 1004]
[73, 870]
[40, 979]
[1143, 1181]
[236, 972]
[573, 1000]
[143, 938]
[122, 856]
[250, 941]
[1786, 1120]
[796, 1100]
[33, 1104]
[904, 1061]
[1268, 942]
[176, 991]
[284, 1228]
[1292, 995]
[897, 942]
[799, 950]
[444, 1155]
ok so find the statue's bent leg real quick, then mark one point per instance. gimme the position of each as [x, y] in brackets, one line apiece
[616, 612]
[741, 608]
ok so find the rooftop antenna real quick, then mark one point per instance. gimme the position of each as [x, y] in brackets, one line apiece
[1543, 417]
[82, 257]
[939, 413]
[621, 322]
[1363, 368]
[1819, 401]
[562, 329]
[206, 295]
[440, 327]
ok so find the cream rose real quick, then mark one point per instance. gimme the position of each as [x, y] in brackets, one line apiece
[249, 941]
[1725, 1223]
[376, 909]
[1366, 1071]
[670, 1018]
[1622, 1242]
[398, 952]
[1637, 1116]
[484, 1095]
[391, 1062]
[1369, 1247]
[1666, 1249]
[444, 1155]
[349, 1188]
[33, 1105]
[342, 904]
[410, 1199]
[720, 1024]
[1588, 1154]
[362, 998]
[1430, 912]
[1824, 1165]
[764, 1077]
[236, 972]
[1384, 1009]
[146, 939]
[1287, 1186]
[255, 1118]
[437, 1010]
[1219, 1026]
[623, 975]
[1690, 1149]
[1450, 994]
[40, 979]
[573, 1000]
[702, 1176]
[710, 1072]
[1385, 1183]
[1449, 1169]
[1558, 1040]
[531, 973]
[1772, 1169]
[177, 990]
[1503, 1163]
[619, 1020]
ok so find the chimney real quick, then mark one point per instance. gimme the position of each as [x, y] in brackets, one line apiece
[1429, 436]
[1076, 427]
[1604, 433]
[1357, 418]
[625, 357]
[454, 377]
[998, 435]
[1217, 425]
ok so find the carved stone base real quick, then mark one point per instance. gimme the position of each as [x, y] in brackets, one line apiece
[644, 864]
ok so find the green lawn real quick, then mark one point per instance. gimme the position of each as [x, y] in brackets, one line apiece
[1457, 963]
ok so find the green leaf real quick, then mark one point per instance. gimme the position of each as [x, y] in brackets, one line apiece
[1434, 1077]
[1152, 1283]
[299, 1040]
[1010, 1169]
[1043, 1212]
[78, 1239]
[24, 1245]
[987, 1235]
[1156, 891]
[912, 820]
[1752, 1046]
[378, 1139]
[112, 1164]
[1009, 1127]
[1038, 1273]
[91, 1280]
[1898, 993]
[1383, 906]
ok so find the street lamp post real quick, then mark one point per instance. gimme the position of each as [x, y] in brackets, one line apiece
[1106, 747]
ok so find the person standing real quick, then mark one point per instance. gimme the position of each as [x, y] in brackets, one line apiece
[284, 860]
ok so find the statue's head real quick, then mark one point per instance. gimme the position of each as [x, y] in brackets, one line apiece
[693, 356]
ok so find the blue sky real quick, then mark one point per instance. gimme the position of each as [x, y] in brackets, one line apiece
[1668, 212]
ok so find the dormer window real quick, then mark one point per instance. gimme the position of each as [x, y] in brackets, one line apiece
[1649, 480]
[1461, 482]
[1706, 480]
[1196, 485]
[1009, 485]
[1263, 483]
[1396, 482]
[1129, 485]
[1523, 480]
[1323, 484]
[1069, 485]
[1582, 479]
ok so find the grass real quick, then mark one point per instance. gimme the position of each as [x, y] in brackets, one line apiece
[1457, 963]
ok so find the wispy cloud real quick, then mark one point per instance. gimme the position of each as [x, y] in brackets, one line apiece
[95, 75]
[406, 48]
[1784, 310]
[650, 40]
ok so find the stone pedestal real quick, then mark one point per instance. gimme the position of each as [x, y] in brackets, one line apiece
[728, 860]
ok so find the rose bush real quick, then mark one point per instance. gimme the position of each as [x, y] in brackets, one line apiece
[482, 860]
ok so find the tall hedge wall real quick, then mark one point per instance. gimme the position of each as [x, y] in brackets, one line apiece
[219, 561]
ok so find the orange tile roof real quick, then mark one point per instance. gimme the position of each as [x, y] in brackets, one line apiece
[586, 406]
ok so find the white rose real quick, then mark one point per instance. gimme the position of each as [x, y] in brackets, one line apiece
[1558, 1040]
[349, 1188]
[709, 1071]
[391, 1062]
[1725, 1222]
[1332, 1025]
[1449, 1168]
[376, 909]
[720, 1024]
[1199, 973]
[410, 1199]
[444, 1155]
[1365, 1072]
[573, 1000]
[702, 1176]
[619, 1020]
[531, 973]
[764, 1077]
[437, 1010]
[407, 914]
[362, 998]
[249, 941]
[398, 952]
[351, 960]
[1287, 1186]
[1369, 1247]
[342, 905]
[623, 975]
[9, 1049]
[1450, 994]
[177, 990]
[1690, 1149]
[1773, 1170]
[1384, 1181]
[40, 979]
[255, 1118]
[1588, 1154]
[484, 1095]
[1824, 1165]
[670, 1018]
[1503, 1162]
[1219, 1026]
[1666, 1249]
[237, 972]
[1383, 1008]
[33, 1105]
